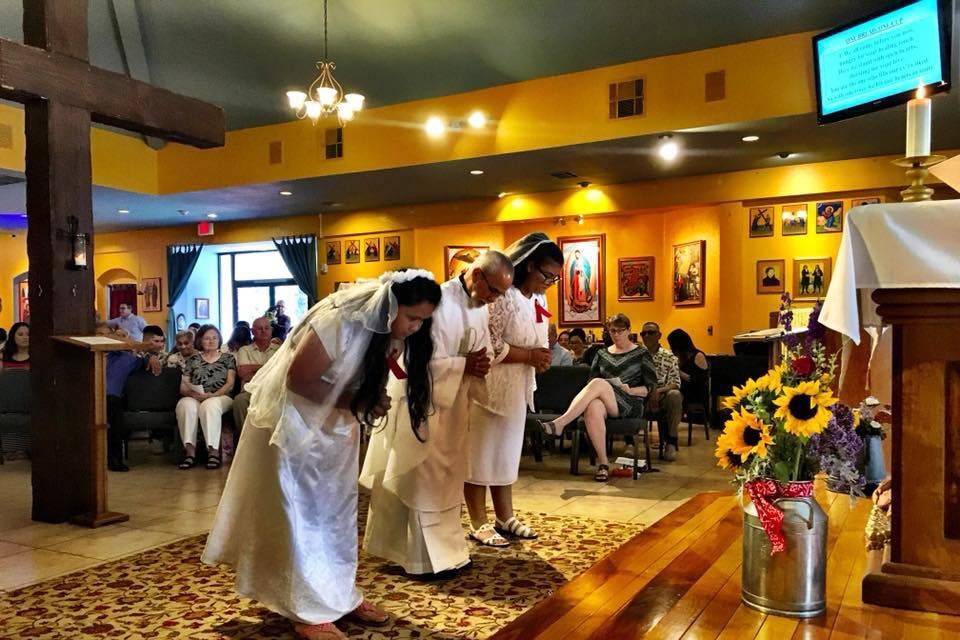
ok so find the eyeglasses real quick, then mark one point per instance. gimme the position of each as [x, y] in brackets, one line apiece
[616, 331]
[548, 278]
[493, 289]
[649, 333]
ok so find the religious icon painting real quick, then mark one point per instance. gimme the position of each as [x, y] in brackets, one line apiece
[793, 219]
[458, 259]
[689, 270]
[201, 308]
[333, 252]
[830, 216]
[770, 276]
[811, 278]
[21, 285]
[391, 248]
[635, 279]
[371, 250]
[581, 281]
[150, 288]
[351, 252]
[859, 202]
[761, 222]
[181, 322]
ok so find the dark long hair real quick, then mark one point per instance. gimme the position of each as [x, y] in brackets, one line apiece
[10, 346]
[240, 337]
[416, 359]
[681, 344]
[546, 252]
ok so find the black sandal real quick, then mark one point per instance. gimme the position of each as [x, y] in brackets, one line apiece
[189, 462]
[213, 462]
[549, 427]
[602, 474]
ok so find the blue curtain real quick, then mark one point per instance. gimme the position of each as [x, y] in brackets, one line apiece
[181, 259]
[299, 253]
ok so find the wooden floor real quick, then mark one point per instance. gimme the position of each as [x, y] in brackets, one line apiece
[681, 579]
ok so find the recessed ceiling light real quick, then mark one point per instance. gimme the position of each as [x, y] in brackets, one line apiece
[286, 193]
[750, 138]
[476, 172]
[183, 212]
[435, 126]
[783, 155]
[123, 210]
[212, 215]
[23, 215]
[502, 194]
[477, 120]
[583, 185]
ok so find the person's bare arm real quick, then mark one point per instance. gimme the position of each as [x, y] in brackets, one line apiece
[310, 363]
[187, 391]
[247, 371]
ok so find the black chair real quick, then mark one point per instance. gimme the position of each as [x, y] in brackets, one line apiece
[15, 398]
[635, 428]
[702, 410]
[556, 387]
[150, 403]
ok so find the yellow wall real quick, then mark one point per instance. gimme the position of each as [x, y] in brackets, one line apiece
[13, 262]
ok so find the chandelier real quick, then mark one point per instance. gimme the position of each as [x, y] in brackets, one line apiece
[325, 95]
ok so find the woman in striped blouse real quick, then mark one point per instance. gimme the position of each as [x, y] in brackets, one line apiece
[621, 377]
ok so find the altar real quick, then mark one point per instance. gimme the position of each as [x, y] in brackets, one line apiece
[899, 266]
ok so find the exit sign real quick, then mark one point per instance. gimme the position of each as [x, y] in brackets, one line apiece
[204, 228]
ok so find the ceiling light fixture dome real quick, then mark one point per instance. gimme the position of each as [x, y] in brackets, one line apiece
[668, 149]
[750, 138]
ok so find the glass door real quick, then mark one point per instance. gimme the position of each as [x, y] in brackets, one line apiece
[252, 302]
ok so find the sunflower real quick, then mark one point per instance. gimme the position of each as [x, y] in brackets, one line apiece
[726, 458]
[773, 381]
[747, 435]
[739, 393]
[803, 408]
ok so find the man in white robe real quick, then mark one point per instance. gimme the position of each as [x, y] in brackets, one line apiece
[416, 486]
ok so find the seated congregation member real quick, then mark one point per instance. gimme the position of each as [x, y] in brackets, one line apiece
[3, 338]
[240, 337]
[193, 327]
[281, 321]
[129, 322]
[183, 350]
[622, 376]
[287, 521]
[590, 353]
[249, 360]
[208, 378]
[693, 367]
[578, 344]
[559, 357]
[665, 400]
[16, 350]
[563, 339]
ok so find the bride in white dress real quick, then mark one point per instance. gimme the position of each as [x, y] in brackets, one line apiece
[287, 521]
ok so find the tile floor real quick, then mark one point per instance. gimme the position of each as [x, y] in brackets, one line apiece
[166, 504]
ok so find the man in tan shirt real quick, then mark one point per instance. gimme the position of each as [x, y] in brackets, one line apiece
[249, 360]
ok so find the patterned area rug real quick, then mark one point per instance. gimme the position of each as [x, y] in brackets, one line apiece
[167, 593]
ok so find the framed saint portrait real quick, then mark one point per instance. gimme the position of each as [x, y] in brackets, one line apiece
[201, 308]
[457, 259]
[859, 202]
[793, 219]
[635, 279]
[811, 278]
[689, 271]
[830, 216]
[761, 222]
[152, 296]
[351, 251]
[371, 250]
[771, 276]
[21, 285]
[334, 248]
[391, 248]
[581, 281]
[181, 322]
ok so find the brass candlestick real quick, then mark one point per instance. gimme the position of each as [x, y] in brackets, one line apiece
[918, 167]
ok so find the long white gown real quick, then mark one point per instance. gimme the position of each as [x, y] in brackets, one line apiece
[417, 487]
[496, 426]
[287, 521]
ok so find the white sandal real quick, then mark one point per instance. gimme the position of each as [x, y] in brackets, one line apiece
[487, 535]
[516, 528]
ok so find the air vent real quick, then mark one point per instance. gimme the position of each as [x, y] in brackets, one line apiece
[626, 98]
[333, 143]
[564, 175]
[276, 152]
[6, 136]
[715, 86]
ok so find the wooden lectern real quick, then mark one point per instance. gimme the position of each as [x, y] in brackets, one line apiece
[921, 567]
[99, 346]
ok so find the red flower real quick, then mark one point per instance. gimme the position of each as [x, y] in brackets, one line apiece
[802, 366]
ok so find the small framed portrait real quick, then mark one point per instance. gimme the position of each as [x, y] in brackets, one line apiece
[689, 271]
[371, 250]
[830, 216]
[201, 307]
[351, 252]
[859, 202]
[770, 276]
[391, 248]
[152, 297]
[635, 279]
[761, 222]
[458, 259]
[793, 219]
[181, 322]
[811, 278]
[334, 248]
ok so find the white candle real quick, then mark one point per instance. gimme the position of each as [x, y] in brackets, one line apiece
[918, 125]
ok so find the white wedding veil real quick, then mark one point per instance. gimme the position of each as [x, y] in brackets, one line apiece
[366, 308]
[522, 248]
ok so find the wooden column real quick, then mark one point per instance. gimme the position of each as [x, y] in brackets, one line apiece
[921, 569]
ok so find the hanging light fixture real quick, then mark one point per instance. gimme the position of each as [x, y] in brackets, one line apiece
[325, 95]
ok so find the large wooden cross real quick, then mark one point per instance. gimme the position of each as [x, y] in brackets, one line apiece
[62, 93]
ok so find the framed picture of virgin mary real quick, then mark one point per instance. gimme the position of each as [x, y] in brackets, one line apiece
[581, 281]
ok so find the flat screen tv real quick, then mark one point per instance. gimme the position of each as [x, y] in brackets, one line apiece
[879, 61]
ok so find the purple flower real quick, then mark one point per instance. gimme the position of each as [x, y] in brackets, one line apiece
[837, 451]
[815, 330]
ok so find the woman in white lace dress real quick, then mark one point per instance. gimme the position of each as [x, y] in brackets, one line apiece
[287, 521]
[519, 322]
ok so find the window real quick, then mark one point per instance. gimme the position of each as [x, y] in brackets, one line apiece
[252, 282]
[626, 99]
[334, 143]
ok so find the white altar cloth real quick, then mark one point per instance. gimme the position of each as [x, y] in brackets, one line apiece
[891, 246]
